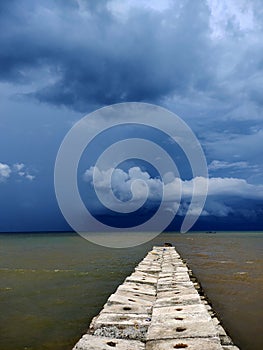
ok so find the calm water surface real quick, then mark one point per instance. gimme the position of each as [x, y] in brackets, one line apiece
[52, 285]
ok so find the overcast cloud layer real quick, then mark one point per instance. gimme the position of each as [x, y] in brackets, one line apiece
[61, 59]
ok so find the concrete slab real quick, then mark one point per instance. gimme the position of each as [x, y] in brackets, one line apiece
[146, 289]
[181, 329]
[181, 269]
[119, 320]
[152, 262]
[90, 342]
[179, 318]
[134, 295]
[129, 298]
[168, 269]
[167, 280]
[175, 277]
[140, 277]
[127, 308]
[166, 275]
[166, 287]
[182, 277]
[177, 291]
[196, 311]
[179, 299]
[124, 326]
[150, 270]
[184, 285]
[127, 332]
[189, 344]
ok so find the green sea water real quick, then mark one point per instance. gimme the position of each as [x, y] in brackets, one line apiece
[51, 285]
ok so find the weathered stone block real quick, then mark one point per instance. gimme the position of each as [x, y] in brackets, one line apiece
[179, 299]
[181, 329]
[188, 344]
[146, 289]
[126, 297]
[90, 342]
[127, 308]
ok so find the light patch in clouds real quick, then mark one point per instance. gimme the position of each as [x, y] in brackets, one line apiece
[121, 8]
[237, 12]
[220, 190]
[217, 164]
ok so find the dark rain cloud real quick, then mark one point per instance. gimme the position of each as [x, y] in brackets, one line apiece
[90, 56]
[83, 55]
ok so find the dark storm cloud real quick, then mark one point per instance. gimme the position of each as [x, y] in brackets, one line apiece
[83, 53]
[91, 56]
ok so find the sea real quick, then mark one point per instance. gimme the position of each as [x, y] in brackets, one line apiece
[52, 284]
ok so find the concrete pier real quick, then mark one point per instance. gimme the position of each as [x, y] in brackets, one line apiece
[158, 307]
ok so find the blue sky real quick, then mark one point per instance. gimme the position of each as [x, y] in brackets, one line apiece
[60, 60]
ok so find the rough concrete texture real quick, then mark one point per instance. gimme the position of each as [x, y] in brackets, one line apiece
[177, 291]
[157, 308]
[181, 329]
[138, 288]
[90, 342]
[120, 320]
[187, 343]
[141, 277]
[128, 298]
[192, 311]
[127, 308]
[127, 332]
[137, 294]
[187, 299]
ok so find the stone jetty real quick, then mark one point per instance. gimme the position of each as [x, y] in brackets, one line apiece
[158, 307]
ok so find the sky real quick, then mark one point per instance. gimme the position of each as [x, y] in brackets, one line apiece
[202, 60]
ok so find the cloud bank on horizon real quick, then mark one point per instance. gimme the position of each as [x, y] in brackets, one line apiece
[202, 60]
[220, 190]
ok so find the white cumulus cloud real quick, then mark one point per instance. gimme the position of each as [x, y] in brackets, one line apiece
[18, 166]
[18, 169]
[5, 172]
[126, 187]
